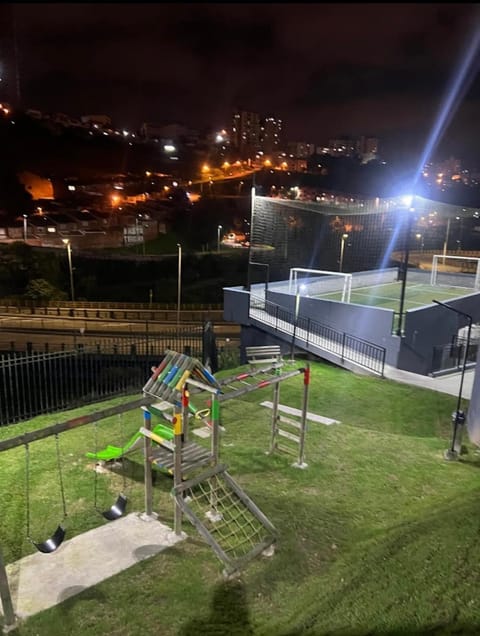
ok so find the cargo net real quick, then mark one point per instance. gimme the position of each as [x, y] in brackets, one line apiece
[226, 517]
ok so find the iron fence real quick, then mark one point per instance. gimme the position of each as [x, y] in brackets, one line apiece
[35, 382]
[313, 333]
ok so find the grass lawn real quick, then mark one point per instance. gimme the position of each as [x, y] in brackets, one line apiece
[379, 535]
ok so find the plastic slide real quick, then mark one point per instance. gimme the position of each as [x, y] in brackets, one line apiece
[136, 441]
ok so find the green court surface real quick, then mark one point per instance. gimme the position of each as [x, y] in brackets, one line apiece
[388, 295]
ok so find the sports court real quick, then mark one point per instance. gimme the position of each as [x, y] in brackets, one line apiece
[387, 295]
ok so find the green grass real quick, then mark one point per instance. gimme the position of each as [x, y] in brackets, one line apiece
[378, 536]
[387, 296]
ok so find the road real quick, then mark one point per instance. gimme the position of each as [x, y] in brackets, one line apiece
[56, 331]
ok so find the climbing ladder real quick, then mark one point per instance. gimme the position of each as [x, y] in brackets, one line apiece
[224, 515]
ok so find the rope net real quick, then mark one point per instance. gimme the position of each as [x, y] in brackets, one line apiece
[221, 511]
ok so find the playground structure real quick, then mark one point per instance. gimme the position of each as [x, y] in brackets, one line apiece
[204, 492]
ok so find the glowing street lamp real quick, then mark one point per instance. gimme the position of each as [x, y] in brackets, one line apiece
[342, 249]
[405, 267]
[70, 268]
[179, 283]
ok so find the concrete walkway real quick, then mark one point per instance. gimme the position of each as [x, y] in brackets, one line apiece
[446, 384]
[39, 581]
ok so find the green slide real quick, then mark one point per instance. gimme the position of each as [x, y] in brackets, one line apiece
[114, 452]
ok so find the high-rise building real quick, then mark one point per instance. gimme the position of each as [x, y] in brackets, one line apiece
[245, 135]
[270, 135]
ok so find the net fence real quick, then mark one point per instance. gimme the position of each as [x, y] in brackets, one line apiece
[316, 235]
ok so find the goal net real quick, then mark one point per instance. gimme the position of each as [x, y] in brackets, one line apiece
[455, 271]
[314, 282]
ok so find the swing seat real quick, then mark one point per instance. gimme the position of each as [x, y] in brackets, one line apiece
[117, 510]
[50, 545]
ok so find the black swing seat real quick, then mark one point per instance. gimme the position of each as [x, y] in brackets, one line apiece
[117, 510]
[50, 545]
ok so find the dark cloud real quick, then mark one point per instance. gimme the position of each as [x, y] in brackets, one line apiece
[324, 68]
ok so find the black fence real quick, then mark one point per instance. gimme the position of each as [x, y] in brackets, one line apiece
[37, 382]
[310, 332]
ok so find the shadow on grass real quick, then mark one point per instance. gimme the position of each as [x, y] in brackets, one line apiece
[421, 571]
[229, 614]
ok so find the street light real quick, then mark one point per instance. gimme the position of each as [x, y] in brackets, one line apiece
[219, 229]
[300, 288]
[70, 268]
[179, 283]
[458, 416]
[342, 248]
[405, 269]
[25, 227]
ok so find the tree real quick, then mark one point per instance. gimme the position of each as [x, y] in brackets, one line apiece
[40, 289]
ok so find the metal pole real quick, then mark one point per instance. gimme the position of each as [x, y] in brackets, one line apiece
[179, 284]
[219, 229]
[452, 453]
[25, 227]
[6, 598]
[250, 249]
[342, 248]
[147, 423]
[70, 268]
[404, 272]
[295, 320]
[446, 240]
[303, 430]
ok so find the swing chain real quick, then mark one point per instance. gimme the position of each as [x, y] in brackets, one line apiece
[27, 482]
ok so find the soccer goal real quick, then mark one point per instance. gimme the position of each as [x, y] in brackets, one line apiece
[314, 282]
[455, 271]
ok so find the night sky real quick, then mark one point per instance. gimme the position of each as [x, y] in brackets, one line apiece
[325, 69]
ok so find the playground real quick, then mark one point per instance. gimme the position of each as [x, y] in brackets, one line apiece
[375, 501]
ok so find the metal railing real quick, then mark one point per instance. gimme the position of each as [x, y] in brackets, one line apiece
[315, 334]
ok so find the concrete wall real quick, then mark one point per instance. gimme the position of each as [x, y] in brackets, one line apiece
[369, 323]
[430, 326]
[424, 328]
[236, 303]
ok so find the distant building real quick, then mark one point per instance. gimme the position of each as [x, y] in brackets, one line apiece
[270, 135]
[101, 120]
[245, 135]
[300, 149]
[149, 130]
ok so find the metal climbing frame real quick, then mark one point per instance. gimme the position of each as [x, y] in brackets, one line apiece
[288, 434]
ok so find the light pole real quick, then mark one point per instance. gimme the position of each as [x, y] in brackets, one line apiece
[219, 229]
[70, 268]
[342, 249]
[300, 288]
[25, 227]
[458, 416]
[179, 283]
[404, 270]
